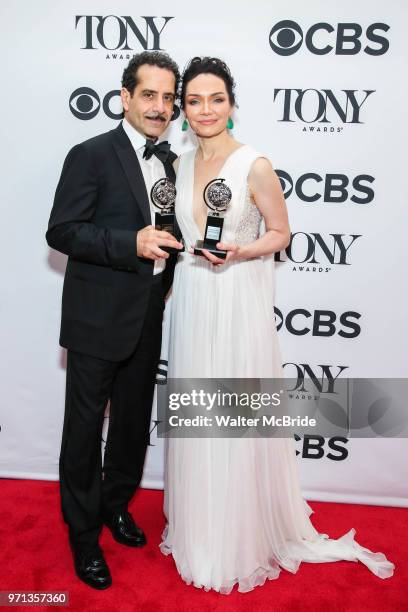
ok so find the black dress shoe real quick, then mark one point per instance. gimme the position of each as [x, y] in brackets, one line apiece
[92, 569]
[124, 529]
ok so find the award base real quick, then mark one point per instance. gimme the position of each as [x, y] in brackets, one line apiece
[212, 236]
[171, 250]
[165, 223]
[201, 244]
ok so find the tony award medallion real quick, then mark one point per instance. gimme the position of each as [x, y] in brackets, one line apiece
[217, 196]
[163, 195]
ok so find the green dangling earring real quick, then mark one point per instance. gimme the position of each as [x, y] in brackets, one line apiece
[230, 124]
[184, 127]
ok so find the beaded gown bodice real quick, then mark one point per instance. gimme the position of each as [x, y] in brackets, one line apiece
[248, 227]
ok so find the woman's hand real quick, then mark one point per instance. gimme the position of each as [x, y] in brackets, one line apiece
[233, 253]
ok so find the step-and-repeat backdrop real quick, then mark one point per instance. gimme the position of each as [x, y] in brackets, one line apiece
[321, 92]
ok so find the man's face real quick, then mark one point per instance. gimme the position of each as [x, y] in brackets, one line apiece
[150, 108]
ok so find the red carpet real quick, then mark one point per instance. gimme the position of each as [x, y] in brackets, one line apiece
[34, 555]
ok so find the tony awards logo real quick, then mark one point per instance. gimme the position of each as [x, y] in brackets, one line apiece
[217, 196]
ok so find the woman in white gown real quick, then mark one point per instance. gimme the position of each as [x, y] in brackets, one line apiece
[234, 507]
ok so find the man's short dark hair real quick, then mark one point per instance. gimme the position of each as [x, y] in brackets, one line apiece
[152, 58]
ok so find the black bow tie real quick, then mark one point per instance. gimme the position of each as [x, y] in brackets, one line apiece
[161, 150]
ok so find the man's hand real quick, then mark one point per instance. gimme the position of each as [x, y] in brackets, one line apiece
[149, 240]
[233, 253]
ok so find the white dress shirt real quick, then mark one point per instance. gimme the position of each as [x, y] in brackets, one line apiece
[152, 170]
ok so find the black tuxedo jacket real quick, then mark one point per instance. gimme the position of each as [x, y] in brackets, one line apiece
[100, 204]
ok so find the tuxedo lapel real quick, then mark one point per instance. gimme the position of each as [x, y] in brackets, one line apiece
[133, 172]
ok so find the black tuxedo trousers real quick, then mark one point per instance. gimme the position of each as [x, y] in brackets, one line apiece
[90, 491]
[112, 309]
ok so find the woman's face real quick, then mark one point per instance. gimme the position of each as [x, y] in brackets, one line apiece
[207, 106]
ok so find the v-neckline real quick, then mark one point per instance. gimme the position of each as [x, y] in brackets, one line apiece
[226, 160]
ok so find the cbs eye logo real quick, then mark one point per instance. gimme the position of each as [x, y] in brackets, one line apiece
[85, 104]
[286, 37]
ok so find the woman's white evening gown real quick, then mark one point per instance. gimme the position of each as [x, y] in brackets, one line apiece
[234, 507]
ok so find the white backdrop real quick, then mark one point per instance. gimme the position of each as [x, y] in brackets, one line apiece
[52, 49]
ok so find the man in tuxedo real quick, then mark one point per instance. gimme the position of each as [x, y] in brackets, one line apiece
[113, 299]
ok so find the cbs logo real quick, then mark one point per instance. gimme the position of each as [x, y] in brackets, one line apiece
[318, 447]
[331, 187]
[321, 323]
[286, 38]
[85, 104]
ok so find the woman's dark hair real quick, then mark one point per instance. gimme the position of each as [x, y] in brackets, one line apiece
[208, 65]
[152, 58]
